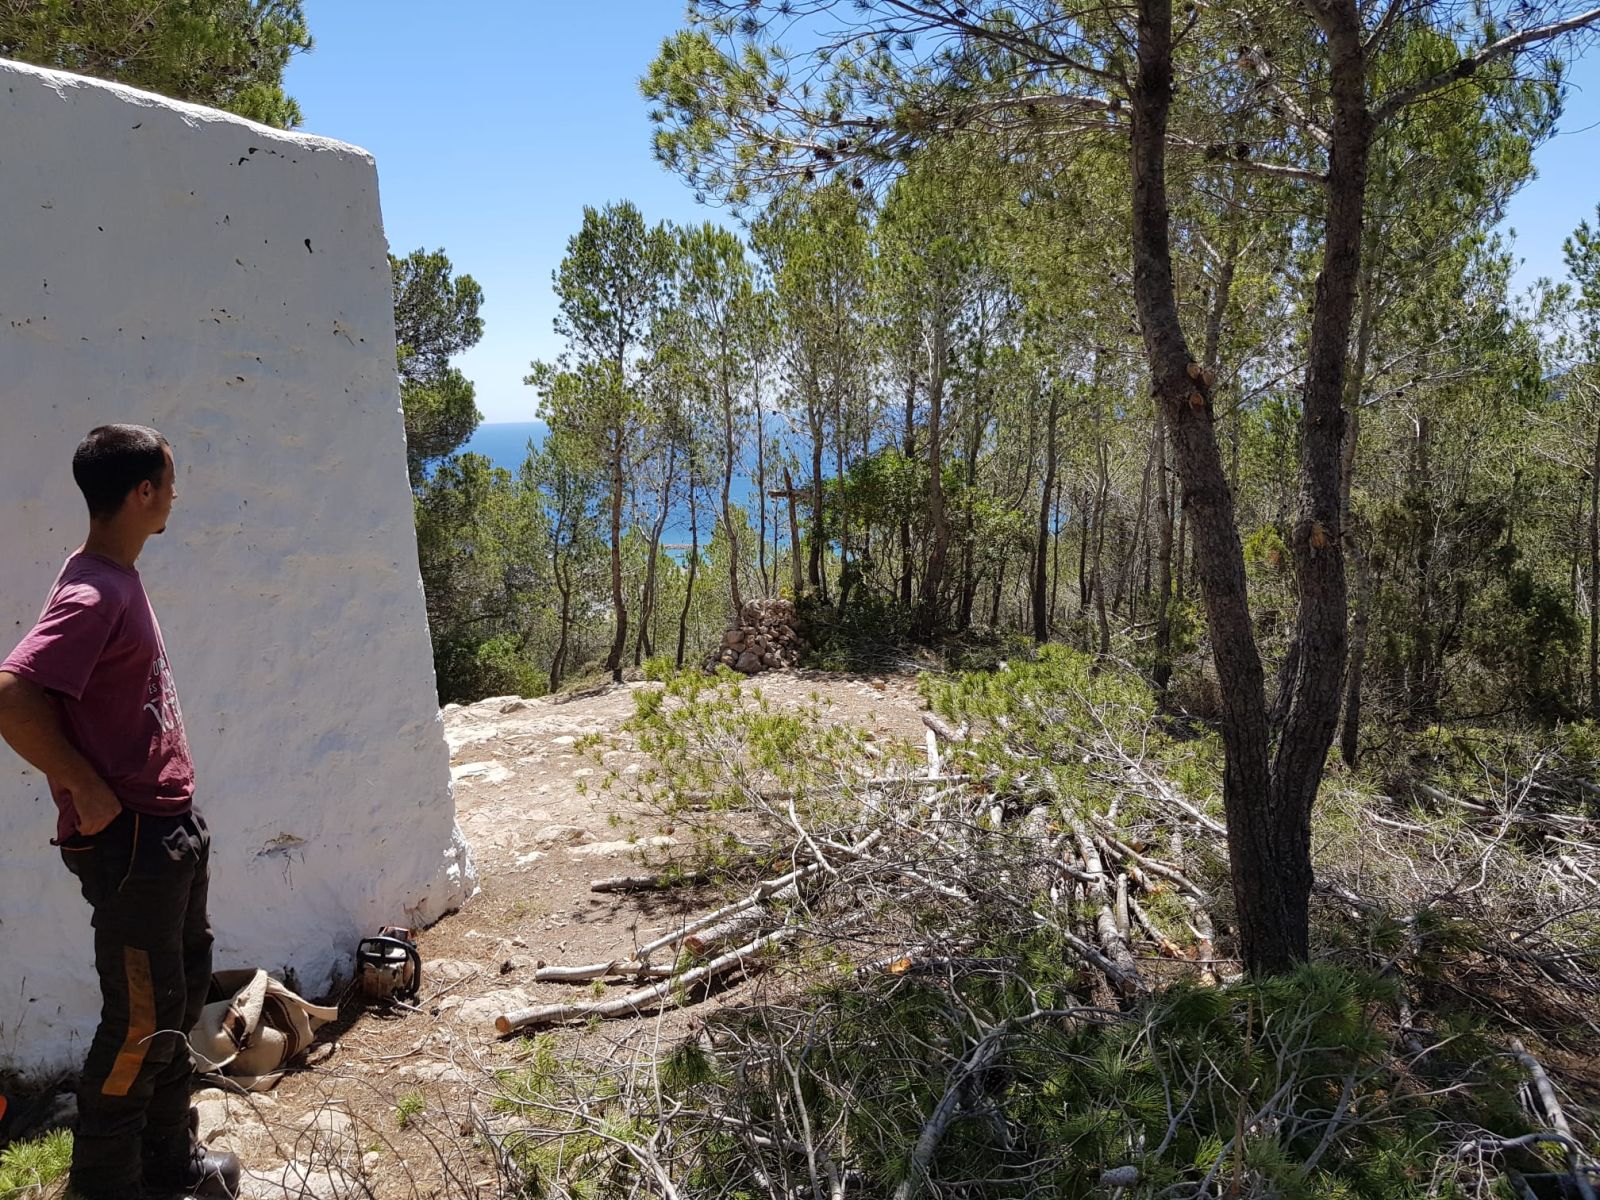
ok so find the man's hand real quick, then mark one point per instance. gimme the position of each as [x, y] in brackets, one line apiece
[96, 803]
[28, 721]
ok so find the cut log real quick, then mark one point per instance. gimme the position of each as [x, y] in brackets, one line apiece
[647, 883]
[668, 992]
[943, 728]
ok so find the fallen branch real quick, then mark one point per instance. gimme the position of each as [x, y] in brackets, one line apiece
[648, 883]
[1549, 1107]
[1125, 981]
[731, 931]
[636, 1002]
[943, 728]
[979, 1059]
[763, 891]
[1170, 874]
[630, 968]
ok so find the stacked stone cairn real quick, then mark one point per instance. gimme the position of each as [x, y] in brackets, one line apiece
[765, 639]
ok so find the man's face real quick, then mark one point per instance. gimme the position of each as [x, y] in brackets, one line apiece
[158, 500]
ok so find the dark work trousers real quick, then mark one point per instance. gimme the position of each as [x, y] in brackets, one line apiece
[146, 879]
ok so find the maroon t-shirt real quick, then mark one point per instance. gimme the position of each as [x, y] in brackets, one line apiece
[98, 648]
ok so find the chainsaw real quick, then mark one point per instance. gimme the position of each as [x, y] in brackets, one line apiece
[388, 966]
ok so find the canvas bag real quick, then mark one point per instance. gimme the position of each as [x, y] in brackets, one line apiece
[256, 1031]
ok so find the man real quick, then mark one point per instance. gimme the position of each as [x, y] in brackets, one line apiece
[88, 699]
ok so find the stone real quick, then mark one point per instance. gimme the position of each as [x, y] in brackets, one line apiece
[488, 771]
[430, 1072]
[213, 1116]
[447, 970]
[615, 849]
[479, 1012]
[748, 663]
[562, 835]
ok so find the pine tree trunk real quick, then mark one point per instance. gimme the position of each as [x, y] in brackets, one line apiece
[1594, 578]
[1421, 691]
[1086, 520]
[761, 499]
[558, 663]
[794, 536]
[1350, 731]
[694, 561]
[815, 574]
[926, 622]
[1097, 583]
[839, 443]
[642, 643]
[619, 602]
[1127, 573]
[728, 459]
[1267, 791]
[1163, 664]
[1041, 561]
[1055, 554]
[910, 452]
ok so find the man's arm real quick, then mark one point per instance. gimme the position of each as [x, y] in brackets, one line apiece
[31, 727]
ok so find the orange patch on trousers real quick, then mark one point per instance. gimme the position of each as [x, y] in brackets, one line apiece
[141, 1023]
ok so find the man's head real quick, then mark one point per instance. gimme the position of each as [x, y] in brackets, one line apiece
[126, 475]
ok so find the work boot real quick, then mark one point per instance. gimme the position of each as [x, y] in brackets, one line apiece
[204, 1172]
[191, 1168]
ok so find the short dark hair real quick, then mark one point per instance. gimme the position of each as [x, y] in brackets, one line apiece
[115, 459]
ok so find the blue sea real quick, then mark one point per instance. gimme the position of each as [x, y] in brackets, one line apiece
[505, 443]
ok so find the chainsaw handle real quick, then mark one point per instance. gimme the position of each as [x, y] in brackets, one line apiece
[385, 942]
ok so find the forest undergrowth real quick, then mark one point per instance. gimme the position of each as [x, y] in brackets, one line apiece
[1003, 964]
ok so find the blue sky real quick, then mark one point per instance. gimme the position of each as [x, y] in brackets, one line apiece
[494, 122]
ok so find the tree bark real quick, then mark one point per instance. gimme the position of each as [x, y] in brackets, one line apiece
[1309, 686]
[559, 661]
[794, 536]
[761, 499]
[694, 561]
[1594, 577]
[1162, 672]
[619, 603]
[1055, 554]
[1355, 668]
[1350, 731]
[910, 451]
[1041, 559]
[642, 643]
[729, 458]
[1267, 790]
[816, 576]
[1097, 580]
[1086, 519]
[926, 621]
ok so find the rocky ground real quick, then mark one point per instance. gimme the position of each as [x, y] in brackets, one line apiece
[390, 1099]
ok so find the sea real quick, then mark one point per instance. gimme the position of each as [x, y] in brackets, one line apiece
[505, 444]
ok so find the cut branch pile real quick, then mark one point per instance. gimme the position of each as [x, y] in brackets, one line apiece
[937, 933]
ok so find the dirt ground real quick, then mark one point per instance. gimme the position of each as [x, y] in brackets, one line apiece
[391, 1099]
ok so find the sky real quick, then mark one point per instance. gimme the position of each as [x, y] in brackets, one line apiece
[494, 122]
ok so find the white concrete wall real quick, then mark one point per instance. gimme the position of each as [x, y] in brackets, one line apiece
[227, 283]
